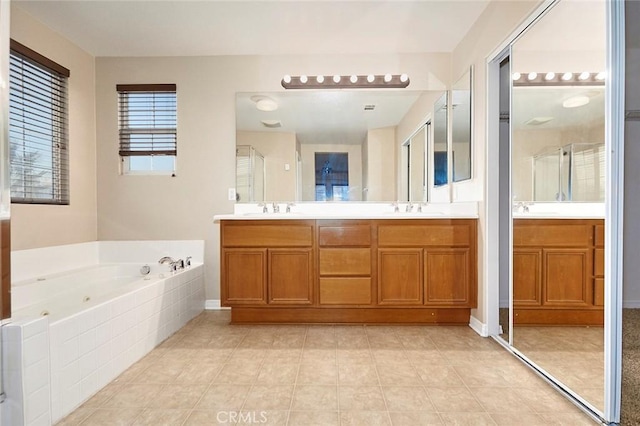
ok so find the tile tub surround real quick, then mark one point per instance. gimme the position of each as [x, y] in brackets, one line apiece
[211, 372]
[84, 351]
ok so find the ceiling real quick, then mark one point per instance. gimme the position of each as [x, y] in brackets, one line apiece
[193, 28]
[332, 116]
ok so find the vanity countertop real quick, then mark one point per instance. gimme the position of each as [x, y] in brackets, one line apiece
[331, 211]
[561, 211]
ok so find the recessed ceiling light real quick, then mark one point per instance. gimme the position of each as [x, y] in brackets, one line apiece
[575, 101]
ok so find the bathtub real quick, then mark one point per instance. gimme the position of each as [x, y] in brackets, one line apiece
[73, 332]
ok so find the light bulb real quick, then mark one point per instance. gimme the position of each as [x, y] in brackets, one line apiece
[567, 76]
[303, 79]
[287, 79]
[320, 79]
[387, 78]
[601, 75]
[550, 76]
[583, 76]
[336, 79]
[532, 76]
[404, 78]
[354, 79]
[370, 78]
[516, 76]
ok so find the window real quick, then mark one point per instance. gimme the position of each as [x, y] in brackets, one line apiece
[38, 139]
[147, 126]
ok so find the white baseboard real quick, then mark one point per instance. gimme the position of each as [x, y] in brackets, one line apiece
[631, 304]
[213, 305]
[479, 327]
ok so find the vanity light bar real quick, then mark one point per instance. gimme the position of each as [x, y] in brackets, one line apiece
[371, 81]
[558, 78]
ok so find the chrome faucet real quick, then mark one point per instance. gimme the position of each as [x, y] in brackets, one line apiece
[289, 205]
[264, 207]
[396, 208]
[166, 259]
[187, 262]
[276, 208]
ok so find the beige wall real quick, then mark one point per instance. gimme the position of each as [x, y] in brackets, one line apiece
[161, 207]
[494, 26]
[40, 225]
[278, 149]
[380, 165]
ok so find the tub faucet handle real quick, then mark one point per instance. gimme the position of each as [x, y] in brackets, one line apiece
[187, 262]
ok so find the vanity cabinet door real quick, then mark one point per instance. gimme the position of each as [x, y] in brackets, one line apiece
[566, 277]
[244, 277]
[400, 276]
[290, 276]
[527, 277]
[446, 277]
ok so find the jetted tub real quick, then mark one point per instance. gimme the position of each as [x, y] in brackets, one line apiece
[73, 332]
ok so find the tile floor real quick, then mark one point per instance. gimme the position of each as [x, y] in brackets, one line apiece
[573, 355]
[211, 372]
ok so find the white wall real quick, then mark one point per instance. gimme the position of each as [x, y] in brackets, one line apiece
[40, 225]
[182, 207]
[278, 149]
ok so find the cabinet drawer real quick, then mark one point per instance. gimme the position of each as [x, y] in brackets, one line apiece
[345, 291]
[345, 261]
[599, 235]
[267, 235]
[424, 235]
[598, 262]
[344, 236]
[561, 235]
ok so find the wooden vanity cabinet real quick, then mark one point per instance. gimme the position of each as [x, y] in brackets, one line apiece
[349, 271]
[267, 263]
[431, 264]
[556, 277]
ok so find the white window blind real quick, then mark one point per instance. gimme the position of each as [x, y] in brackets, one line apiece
[38, 139]
[147, 119]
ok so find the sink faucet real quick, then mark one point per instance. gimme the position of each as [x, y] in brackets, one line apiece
[276, 208]
[289, 205]
[264, 207]
[396, 208]
[409, 207]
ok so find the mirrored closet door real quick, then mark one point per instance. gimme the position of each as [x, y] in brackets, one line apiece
[553, 111]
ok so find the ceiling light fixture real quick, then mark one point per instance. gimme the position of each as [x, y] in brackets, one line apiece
[575, 101]
[548, 79]
[371, 81]
[264, 103]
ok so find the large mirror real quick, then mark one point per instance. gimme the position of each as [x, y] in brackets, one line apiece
[557, 123]
[440, 158]
[461, 128]
[332, 145]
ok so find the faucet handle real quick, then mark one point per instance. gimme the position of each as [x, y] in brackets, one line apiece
[289, 205]
[276, 207]
[264, 207]
[396, 208]
[409, 207]
[187, 261]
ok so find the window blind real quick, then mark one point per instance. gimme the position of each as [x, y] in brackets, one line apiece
[147, 119]
[38, 137]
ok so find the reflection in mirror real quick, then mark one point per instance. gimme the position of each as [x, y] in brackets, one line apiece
[249, 174]
[440, 171]
[367, 127]
[417, 148]
[332, 176]
[557, 123]
[461, 128]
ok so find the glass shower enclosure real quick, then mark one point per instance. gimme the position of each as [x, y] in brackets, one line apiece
[573, 172]
[250, 175]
